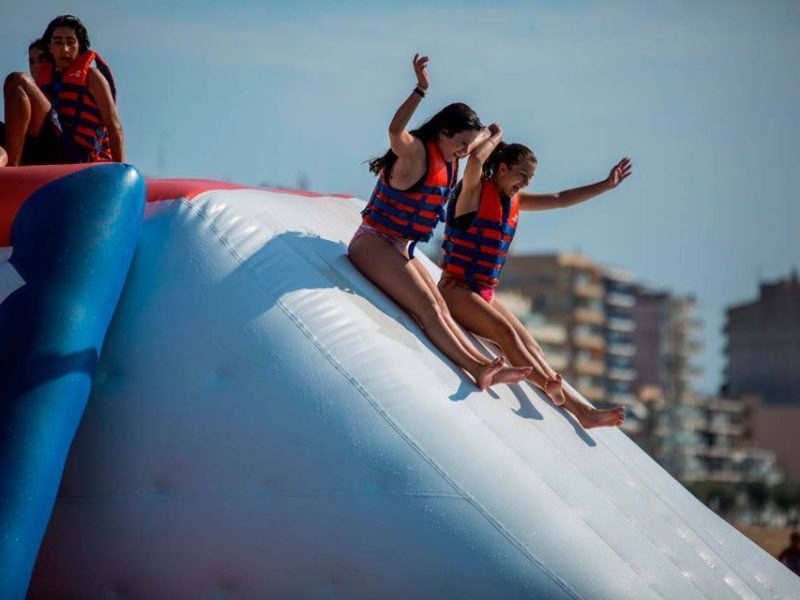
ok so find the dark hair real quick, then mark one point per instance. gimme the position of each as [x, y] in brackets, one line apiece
[510, 154]
[452, 119]
[75, 24]
[38, 45]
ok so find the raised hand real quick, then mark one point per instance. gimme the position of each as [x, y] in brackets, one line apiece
[421, 71]
[619, 172]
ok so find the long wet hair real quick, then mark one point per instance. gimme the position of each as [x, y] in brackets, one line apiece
[510, 154]
[452, 119]
[75, 24]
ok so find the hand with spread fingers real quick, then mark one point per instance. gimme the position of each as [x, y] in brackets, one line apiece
[619, 172]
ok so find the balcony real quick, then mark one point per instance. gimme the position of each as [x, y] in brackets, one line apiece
[589, 341]
[724, 476]
[593, 394]
[626, 399]
[557, 360]
[589, 367]
[547, 333]
[621, 325]
[617, 349]
[592, 291]
[589, 316]
[621, 374]
[620, 300]
[731, 429]
[721, 452]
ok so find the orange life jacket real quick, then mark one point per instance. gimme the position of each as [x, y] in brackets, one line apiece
[413, 214]
[78, 113]
[478, 253]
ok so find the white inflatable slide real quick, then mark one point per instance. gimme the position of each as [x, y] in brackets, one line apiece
[265, 423]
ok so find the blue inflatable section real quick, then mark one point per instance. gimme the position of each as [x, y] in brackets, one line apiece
[73, 241]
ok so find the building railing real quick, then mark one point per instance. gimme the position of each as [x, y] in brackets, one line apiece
[587, 290]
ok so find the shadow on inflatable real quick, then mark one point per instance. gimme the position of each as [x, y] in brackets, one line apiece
[264, 422]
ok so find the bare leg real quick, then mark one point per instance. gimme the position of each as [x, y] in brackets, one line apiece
[455, 329]
[475, 314]
[588, 416]
[394, 274]
[503, 375]
[3, 157]
[26, 109]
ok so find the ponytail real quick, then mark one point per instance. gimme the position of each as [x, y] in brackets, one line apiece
[510, 154]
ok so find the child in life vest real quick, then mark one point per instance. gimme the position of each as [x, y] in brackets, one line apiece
[482, 218]
[415, 178]
[70, 109]
[37, 55]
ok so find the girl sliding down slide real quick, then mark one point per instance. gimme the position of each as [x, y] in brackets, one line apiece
[415, 178]
[481, 220]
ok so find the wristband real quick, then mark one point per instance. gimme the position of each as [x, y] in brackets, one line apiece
[421, 93]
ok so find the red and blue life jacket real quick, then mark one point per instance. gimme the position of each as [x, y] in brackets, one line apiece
[477, 254]
[77, 111]
[414, 213]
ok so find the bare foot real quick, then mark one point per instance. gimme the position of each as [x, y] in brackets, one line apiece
[483, 379]
[511, 375]
[554, 389]
[593, 417]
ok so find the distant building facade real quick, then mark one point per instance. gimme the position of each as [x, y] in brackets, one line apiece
[763, 359]
[763, 344]
[566, 292]
[619, 301]
[620, 343]
[696, 437]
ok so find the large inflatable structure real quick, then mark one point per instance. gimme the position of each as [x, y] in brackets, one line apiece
[264, 422]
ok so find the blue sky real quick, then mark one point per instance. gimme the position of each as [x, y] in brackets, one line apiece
[703, 96]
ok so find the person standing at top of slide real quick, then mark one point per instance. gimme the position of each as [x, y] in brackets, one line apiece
[482, 217]
[415, 178]
[70, 109]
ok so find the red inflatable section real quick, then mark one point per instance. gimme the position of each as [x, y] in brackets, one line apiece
[18, 183]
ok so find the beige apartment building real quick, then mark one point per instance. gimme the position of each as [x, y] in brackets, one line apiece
[565, 295]
[620, 343]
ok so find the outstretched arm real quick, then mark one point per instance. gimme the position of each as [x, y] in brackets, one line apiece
[577, 195]
[101, 92]
[402, 142]
[469, 198]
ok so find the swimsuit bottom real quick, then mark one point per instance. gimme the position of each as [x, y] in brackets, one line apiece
[484, 291]
[399, 244]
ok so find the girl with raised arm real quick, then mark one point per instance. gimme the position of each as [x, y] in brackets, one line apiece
[415, 178]
[481, 221]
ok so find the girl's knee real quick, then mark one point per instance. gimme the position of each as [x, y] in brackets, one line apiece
[430, 309]
[505, 334]
[15, 80]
